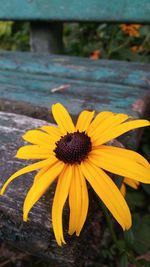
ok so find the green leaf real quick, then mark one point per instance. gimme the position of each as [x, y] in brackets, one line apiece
[135, 199]
[123, 261]
[144, 263]
[146, 188]
[129, 237]
[141, 231]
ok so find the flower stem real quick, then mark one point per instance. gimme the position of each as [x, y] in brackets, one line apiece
[119, 246]
[110, 227]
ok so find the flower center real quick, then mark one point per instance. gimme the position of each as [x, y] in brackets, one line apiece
[73, 147]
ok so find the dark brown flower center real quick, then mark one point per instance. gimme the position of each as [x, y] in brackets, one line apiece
[73, 147]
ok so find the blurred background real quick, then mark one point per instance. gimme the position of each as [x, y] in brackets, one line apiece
[99, 41]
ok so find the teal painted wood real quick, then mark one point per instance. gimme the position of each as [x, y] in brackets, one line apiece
[78, 83]
[66, 10]
[107, 71]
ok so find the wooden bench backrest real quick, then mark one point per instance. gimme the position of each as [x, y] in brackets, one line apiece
[131, 11]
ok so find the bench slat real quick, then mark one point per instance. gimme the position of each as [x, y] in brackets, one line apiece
[91, 10]
[39, 81]
[77, 67]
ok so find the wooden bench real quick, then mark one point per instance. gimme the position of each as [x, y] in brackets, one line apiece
[31, 82]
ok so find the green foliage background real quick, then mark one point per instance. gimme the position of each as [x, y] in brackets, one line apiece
[81, 39]
[14, 35]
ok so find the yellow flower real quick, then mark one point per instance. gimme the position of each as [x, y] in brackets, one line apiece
[76, 154]
[131, 29]
[127, 181]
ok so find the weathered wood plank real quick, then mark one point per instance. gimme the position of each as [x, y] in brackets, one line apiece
[91, 10]
[111, 71]
[36, 236]
[39, 81]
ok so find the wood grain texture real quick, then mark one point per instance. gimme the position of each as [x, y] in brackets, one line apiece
[66, 10]
[37, 81]
[36, 236]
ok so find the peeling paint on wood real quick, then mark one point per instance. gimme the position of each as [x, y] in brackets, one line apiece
[103, 85]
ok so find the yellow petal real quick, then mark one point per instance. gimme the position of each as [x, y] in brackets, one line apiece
[119, 130]
[32, 167]
[121, 165]
[35, 152]
[78, 202]
[84, 120]
[99, 119]
[108, 193]
[40, 186]
[108, 124]
[132, 183]
[61, 194]
[74, 201]
[62, 118]
[41, 172]
[37, 137]
[53, 131]
[84, 204]
[122, 152]
[123, 189]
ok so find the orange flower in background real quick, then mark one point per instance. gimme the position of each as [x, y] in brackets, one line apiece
[131, 29]
[137, 48]
[76, 154]
[95, 55]
[132, 183]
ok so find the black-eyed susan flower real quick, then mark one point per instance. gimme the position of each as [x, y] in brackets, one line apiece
[127, 181]
[76, 154]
